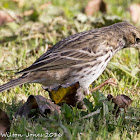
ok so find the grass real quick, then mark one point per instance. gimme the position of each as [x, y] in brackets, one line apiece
[22, 42]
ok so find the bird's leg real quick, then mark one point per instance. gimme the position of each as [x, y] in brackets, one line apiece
[79, 99]
[86, 92]
[111, 81]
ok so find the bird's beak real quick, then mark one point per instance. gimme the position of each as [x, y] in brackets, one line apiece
[137, 45]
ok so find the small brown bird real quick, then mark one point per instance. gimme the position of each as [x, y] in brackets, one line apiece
[78, 58]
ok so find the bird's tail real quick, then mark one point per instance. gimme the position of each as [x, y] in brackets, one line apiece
[13, 83]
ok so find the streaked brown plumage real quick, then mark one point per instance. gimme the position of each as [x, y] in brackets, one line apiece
[79, 58]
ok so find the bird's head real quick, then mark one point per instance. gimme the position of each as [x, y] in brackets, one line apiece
[130, 34]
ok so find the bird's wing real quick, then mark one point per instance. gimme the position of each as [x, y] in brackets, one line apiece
[71, 51]
[60, 60]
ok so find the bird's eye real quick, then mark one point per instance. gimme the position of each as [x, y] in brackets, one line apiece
[137, 40]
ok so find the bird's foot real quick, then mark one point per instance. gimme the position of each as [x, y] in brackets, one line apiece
[111, 81]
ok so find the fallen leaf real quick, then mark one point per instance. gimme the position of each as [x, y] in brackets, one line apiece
[45, 5]
[8, 16]
[120, 101]
[60, 94]
[28, 13]
[94, 6]
[4, 124]
[134, 10]
[40, 104]
[72, 95]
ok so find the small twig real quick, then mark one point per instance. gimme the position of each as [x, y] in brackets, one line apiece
[91, 114]
[111, 81]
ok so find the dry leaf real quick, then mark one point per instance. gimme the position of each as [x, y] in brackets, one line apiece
[121, 101]
[134, 10]
[45, 5]
[94, 6]
[28, 13]
[7, 16]
[4, 17]
[39, 103]
[4, 124]
[61, 94]
[72, 95]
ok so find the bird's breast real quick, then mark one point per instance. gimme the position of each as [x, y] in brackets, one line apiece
[93, 70]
